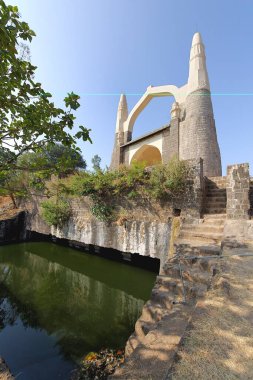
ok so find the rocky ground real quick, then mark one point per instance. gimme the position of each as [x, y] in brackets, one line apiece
[4, 371]
[220, 344]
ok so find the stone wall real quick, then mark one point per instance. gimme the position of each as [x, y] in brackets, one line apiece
[238, 233]
[146, 235]
[13, 229]
[251, 197]
[142, 226]
[238, 191]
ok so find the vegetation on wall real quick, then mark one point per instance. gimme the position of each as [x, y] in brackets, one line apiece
[107, 188]
[158, 182]
[56, 212]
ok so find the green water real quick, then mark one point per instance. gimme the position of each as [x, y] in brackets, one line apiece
[57, 304]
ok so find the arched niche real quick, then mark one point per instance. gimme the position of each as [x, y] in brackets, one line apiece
[148, 154]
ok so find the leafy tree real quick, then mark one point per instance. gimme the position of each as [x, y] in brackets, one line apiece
[52, 159]
[96, 162]
[65, 159]
[33, 169]
[28, 118]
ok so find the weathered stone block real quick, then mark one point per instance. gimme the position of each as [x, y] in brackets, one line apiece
[238, 189]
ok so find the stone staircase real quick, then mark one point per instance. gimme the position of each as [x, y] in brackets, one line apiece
[185, 278]
[216, 198]
[208, 230]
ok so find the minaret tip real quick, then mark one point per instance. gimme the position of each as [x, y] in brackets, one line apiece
[198, 76]
[197, 39]
[122, 102]
[122, 112]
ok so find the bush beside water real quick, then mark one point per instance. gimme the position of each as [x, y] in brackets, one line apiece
[104, 188]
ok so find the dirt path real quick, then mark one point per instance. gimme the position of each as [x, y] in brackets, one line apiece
[220, 344]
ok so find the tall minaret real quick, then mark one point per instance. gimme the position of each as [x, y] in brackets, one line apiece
[198, 137]
[121, 137]
[122, 113]
[198, 77]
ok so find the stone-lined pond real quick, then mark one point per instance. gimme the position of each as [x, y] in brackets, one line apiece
[57, 304]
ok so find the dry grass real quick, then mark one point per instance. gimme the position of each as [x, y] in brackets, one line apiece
[220, 345]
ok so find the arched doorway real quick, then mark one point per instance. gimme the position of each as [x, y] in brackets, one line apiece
[148, 154]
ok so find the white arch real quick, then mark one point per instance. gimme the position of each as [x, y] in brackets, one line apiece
[167, 90]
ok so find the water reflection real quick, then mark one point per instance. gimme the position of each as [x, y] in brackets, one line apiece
[57, 304]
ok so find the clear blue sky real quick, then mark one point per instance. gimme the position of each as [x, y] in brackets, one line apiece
[115, 46]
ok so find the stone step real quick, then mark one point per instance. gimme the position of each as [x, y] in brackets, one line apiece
[204, 227]
[216, 184]
[215, 206]
[207, 225]
[208, 221]
[216, 194]
[221, 217]
[219, 197]
[214, 221]
[202, 235]
[197, 248]
[215, 191]
[213, 210]
[202, 241]
[219, 186]
[213, 203]
[217, 178]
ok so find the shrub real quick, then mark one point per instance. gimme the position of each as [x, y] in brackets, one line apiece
[102, 211]
[168, 180]
[136, 181]
[56, 213]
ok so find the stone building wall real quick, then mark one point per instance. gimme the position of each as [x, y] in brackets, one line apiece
[170, 141]
[118, 154]
[197, 133]
[238, 191]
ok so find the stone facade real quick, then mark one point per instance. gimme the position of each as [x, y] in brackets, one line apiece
[191, 133]
[238, 191]
[198, 133]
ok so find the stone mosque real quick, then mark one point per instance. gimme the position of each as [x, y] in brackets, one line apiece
[191, 133]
